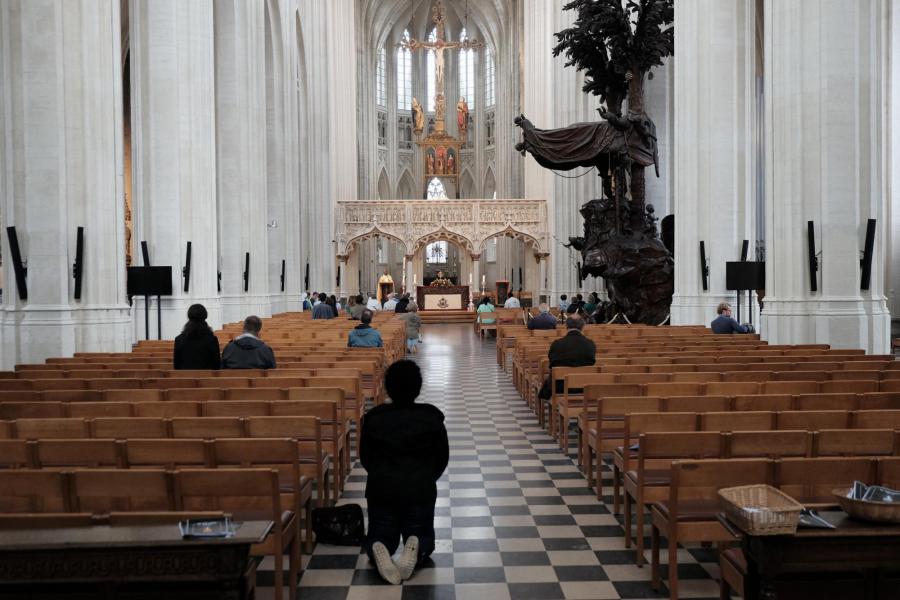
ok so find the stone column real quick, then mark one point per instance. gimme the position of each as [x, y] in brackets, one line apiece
[61, 166]
[714, 158]
[542, 258]
[410, 287]
[825, 71]
[343, 260]
[476, 276]
[174, 148]
[241, 175]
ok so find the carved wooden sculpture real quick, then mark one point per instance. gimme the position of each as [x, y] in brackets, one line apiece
[616, 44]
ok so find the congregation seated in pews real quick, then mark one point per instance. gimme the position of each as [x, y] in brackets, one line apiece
[159, 433]
[676, 413]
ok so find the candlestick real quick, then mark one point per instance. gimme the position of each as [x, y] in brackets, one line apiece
[470, 279]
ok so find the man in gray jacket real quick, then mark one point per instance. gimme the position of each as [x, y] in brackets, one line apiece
[247, 351]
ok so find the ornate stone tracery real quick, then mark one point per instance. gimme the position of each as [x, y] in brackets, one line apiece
[415, 223]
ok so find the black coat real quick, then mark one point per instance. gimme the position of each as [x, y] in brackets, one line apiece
[402, 305]
[247, 353]
[572, 350]
[405, 450]
[196, 352]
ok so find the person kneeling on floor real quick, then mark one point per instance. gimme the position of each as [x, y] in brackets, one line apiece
[404, 449]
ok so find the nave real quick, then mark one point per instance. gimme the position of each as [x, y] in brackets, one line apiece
[515, 518]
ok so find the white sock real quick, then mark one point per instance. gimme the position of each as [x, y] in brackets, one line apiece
[386, 567]
[409, 558]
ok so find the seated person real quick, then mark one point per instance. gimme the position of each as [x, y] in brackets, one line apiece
[725, 323]
[592, 302]
[404, 448]
[372, 303]
[391, 303]
[563, 303]
[543, 320]
[572, 350]
[196, 347]
[512, 301]
[323, 310]
[357, 308]
[485, 306]
[363, 335]
[247, 351]
[577, 302]
[402, 304]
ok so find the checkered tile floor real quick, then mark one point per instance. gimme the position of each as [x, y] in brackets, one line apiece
[514, 518]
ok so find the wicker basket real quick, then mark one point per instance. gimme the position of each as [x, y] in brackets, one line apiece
[882, 512]
[761, 509]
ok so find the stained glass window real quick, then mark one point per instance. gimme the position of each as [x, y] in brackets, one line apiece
[404, 76]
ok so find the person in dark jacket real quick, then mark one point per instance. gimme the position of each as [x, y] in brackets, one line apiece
[725, 323]
[363, 335]
[196, 347]
[571, 350]
[247, 351]
[402, 304]
[543, 320]
[322, 310]
[404, 449]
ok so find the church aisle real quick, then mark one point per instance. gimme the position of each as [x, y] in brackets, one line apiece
[514, 519]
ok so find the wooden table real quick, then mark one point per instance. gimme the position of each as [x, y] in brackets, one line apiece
[857, 559]
[132, 562]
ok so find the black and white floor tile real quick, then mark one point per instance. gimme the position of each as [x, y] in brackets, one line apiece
[515, 519]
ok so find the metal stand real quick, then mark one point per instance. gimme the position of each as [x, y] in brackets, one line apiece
[158, 318]
[146, 317]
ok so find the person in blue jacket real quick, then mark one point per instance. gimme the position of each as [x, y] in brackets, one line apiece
[363, 335]
[725, 323]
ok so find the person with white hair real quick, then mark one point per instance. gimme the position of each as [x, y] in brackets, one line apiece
[373, 304]
[391, 304]
[543, 320]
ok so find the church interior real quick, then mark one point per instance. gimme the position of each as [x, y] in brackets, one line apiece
[449, 299]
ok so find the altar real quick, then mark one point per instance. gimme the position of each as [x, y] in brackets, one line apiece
[451, 297]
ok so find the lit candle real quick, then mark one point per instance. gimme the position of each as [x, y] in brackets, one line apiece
[482, 281]
[414, 279]
[470, 279]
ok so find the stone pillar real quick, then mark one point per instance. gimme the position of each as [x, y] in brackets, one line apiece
[714, 158]
[542, 258]
[408, 274]
[475, 288]
[241, 175]
[825, 70]
[174, 148]
[61, 166]
[343, 259]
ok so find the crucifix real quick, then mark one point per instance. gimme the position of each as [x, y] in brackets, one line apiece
[438, 46]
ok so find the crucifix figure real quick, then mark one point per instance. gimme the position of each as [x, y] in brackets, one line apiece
[438, 46]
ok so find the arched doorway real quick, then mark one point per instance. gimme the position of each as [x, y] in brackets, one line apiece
[371, 256]
[510, 259]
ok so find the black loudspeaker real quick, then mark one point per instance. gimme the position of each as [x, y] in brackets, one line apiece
[745, 247]
[219, 281]
[338, 278]
[667, 233]
[704, 270]
[306, 277]
[77, 268]
[145, 251]
[18, 265]
[578, 273]
[521, 279]
[866, 262]
[186, 271]
[246, 271]
[811, 256]
[149, 281]
[745, 275]
[282, 274]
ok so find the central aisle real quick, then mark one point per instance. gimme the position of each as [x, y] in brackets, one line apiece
[514, 519]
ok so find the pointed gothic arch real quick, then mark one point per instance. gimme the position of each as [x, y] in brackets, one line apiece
[467, 185]
[406, 190]
[384, 186]
[490, 184]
